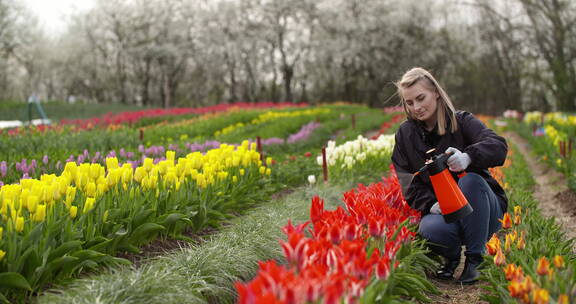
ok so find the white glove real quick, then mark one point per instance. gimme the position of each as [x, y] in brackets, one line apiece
[435, 209]
[459, 161]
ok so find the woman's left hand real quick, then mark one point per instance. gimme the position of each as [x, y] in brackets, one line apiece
[459, 161]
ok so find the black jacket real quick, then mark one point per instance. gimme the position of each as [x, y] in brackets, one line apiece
[485, 148]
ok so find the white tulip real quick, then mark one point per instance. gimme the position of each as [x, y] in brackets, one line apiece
[312, 179]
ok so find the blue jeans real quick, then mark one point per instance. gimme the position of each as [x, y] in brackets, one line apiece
[474, 230]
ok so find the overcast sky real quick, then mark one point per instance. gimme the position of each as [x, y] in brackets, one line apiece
[54, 13]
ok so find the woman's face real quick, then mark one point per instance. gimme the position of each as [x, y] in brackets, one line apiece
[421, 102]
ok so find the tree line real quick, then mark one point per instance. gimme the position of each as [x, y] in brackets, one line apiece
[491, 55]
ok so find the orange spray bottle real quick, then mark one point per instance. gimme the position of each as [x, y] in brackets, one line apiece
[453, 203]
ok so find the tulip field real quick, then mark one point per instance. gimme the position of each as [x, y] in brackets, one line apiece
[275, 203]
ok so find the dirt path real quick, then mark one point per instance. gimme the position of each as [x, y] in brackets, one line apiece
[555, 199]
[551, 191]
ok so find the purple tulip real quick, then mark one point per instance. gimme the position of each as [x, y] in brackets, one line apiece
[70, 159]
[122, 152]
[141, 148]
[45, 159]
[33, 164]
[59, 165]
[25, 176]
[129, 154]
[1, 184]
[3, 168]
[272, 141]
[80, 159]
[86, 154]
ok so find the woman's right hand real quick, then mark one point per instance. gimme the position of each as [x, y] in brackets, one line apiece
[435, 209]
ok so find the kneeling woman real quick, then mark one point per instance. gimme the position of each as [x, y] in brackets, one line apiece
[433, 123]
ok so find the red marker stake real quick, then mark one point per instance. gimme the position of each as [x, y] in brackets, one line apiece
[324, 165]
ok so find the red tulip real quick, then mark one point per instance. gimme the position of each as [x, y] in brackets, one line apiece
[317, 209]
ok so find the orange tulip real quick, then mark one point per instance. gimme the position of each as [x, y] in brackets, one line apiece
[563, 299]
[540, 296]
[514, 273]
[543, 266]
[515, 289]
[527, 284]
[506, 221]
[493, 244]
[508, 242]
[517, 220]
[521, 243]
[558, 261]
[499, 258]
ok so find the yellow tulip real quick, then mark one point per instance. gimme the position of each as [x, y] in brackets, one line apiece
[91, 189]
[517, 210]
[88, 205]
[234, 179]
[24, 198]
[73, 212]
[71, 168]
[262, 169]
[127, 175]
[170, 155]
[70, 195]
[268, 171]
[139, 174]
[2, 254]
[111, 163]
[94, 171]
[40, 213]
[19, 224]
[148, 164]
[32, 203]
[1, 232]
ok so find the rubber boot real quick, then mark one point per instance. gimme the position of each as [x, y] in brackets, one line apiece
[446, 271]
[470, 274]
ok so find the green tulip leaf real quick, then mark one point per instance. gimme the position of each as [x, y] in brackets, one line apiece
[14, 280]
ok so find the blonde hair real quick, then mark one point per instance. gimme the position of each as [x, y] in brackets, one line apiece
[445, 105]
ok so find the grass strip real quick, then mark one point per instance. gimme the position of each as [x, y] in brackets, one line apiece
[202, 273]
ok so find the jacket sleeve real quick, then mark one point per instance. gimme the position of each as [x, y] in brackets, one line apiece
[417, 194]
[485, 148]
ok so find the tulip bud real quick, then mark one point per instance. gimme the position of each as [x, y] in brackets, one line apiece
[499, 258]
[312, 179]
[73, 212]
[543, 266]
[558, 261]
[19, 224]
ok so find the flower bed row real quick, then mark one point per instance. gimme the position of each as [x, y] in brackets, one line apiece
[553, 137]
[11, 172]
[532, 259]
[57, 226]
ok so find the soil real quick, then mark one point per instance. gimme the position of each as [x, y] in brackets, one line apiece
[555, 200]
[552, 193]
